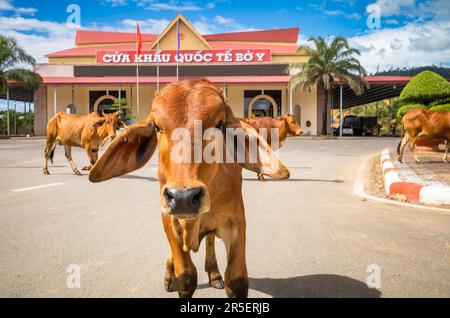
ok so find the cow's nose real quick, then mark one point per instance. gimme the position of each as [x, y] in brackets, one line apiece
[184, 202]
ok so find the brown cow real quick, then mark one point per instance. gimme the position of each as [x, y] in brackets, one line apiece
[198, 199]
[286, 125]
[89, 132]
[419, 122]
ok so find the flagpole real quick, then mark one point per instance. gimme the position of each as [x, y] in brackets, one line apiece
[178, 43]
[138, 43]
[157, 63]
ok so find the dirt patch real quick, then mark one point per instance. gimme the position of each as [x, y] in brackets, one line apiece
[375, 182]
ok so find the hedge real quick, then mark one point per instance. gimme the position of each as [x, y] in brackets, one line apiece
[440, 102]
[406, 108]
[425, 88]
[441, 108]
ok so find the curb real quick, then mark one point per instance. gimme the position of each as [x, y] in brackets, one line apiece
[414, 192]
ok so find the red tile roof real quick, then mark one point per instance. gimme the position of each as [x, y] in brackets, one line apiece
[278, 79]
[277, 49]
[277, 35]
[94, 37]
[91, 51]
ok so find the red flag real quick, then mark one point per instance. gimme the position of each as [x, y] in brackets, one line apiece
[138, 39]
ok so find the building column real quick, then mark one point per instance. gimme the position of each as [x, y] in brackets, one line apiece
[340, 111]
[7, 111]
[55, 106]
[291, 107]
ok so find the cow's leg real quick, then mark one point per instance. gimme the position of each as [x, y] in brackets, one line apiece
[211, 267]
[236, 278]
[68, 153]
[90, 154]
[170, 283]
[412, 148]
[94, 156]
[260, 176]
[49, 149]
[402, 146]
[446, 151]
[185, 271]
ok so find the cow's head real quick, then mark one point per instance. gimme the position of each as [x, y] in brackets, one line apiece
[109, 123]
[292, 125]
[186, 182]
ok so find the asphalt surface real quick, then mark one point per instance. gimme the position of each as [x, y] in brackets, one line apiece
[308, 236]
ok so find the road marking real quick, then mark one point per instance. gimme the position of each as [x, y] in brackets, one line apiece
[38, 187]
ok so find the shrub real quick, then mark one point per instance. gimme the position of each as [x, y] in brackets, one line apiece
[406, 108]
[441, 108]
[425, 88]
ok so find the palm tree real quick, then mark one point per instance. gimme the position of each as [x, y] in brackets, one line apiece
[328, 61]
[13, 62]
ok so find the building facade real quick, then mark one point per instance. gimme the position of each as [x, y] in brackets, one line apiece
[250, 68]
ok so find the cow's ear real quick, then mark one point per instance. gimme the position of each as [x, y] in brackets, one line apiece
[257, 155]
[99, 122]
[129, 151]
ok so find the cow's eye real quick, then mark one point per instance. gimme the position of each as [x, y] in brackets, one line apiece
[157, 129]
[220, 124]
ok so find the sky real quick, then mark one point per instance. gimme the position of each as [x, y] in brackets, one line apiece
[409, 32]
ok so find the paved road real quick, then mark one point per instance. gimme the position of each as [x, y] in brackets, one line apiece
[307, 236]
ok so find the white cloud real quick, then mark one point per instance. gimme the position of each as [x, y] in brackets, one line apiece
[38, 37]
[222, 20]
[409, 45]
[115, 3]
[177, 6]
[6, 5]
[394, 8]
[349, 16]
[391, 22]
[25, 11]
[428, 9]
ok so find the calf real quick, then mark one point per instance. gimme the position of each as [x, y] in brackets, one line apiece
[89, 132]
[198, 199]
[419, 122]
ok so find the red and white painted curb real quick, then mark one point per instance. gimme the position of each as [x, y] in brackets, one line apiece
[414, 192]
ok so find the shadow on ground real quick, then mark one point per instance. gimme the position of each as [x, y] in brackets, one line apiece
[294, 180]
[312, 286]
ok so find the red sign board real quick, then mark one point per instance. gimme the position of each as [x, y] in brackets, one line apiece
[185, 56]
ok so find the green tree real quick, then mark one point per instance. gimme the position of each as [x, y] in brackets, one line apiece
[13, 60]
[328, 61]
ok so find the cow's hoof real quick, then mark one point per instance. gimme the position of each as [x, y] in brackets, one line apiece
[170, 284]
[78, 173]
[217, 283]
[400, 160]
[46, 172]
[87, 168]
[237, 288]
[186, 285]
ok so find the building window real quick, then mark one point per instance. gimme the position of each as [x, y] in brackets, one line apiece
[262, 102]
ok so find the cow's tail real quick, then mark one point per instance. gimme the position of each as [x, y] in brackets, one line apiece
[402, 133]
[52, 153]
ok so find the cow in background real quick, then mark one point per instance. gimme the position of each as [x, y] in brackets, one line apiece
[286, 125]
[89, 132]
[429, 123]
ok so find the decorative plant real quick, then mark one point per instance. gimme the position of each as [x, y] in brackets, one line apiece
[425, 88]
[125, 111]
